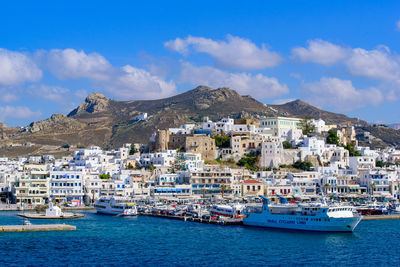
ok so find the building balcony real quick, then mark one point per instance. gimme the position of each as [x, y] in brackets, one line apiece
[30, 180]
[32, 195]
[21, 187]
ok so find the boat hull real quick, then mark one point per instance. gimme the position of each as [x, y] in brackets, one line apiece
[115, 213]
[303, 223]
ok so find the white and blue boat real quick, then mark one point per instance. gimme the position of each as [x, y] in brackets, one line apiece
[115, 206]
[311, 216]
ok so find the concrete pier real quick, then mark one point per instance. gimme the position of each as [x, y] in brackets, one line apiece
[18, 207]
[37, 227]
[221, 221]
[381, 217]
[66, 215]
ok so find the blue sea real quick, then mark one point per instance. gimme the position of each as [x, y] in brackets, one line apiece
[148, 241]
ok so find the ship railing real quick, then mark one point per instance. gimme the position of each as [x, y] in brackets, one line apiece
[253, 209]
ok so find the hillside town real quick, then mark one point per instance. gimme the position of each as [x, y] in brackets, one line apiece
[231, 159]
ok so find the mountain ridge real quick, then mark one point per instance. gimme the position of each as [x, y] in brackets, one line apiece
[101, 121]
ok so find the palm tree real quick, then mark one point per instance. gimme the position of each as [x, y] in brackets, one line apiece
[223, 188]
[326, 186]
[373, 186]
[92, 196]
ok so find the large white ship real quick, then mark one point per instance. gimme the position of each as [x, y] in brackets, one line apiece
[312, 217]
[115, 206]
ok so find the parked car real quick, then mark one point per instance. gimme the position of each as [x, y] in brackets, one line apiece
[206, 216]
[179, 213]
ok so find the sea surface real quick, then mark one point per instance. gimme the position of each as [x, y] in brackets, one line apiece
[147, 241]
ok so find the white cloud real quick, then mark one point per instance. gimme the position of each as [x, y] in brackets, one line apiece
[17, 68]
[81, 93]
[257, 85]
[133, 83]
[72, 64]
[320, 51]
[235, 53]
[17, 112]
[377, 64]
[334, 92]
[8, 97]
[125, 83]
[53, 93]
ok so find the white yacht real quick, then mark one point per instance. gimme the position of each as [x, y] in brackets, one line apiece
[115, 206]
[313, 217]
[233, 211]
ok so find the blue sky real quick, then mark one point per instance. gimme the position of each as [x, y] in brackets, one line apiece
[338, 55]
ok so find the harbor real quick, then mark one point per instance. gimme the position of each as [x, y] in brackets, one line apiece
[159, 240]
[319, 215]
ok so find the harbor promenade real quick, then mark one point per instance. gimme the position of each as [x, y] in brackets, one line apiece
[37, 227]
[381, 217]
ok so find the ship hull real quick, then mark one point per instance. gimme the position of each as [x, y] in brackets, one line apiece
[112, 212]
[302, 223]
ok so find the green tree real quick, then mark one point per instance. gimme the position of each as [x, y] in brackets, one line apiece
[133, 149]
[104, 176]
[326, 186]
[150, 167]
[373, 186]
[249, 162]
[307, 126]
[223, 188]
[137, 166]
[222, 141]
[303, 165]
[332, 138]
[352, 151]
[287, 145]
[380, 164]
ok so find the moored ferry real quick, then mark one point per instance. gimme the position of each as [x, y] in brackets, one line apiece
[312, 217]
[115, 206]
[233, 211]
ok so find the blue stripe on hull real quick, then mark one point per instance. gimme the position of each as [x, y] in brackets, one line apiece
[334, 225]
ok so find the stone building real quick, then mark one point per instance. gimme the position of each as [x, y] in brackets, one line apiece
[161, 140]
[191, 143]
[347, 135]
[273, 155]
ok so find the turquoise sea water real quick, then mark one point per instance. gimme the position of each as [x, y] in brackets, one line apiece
[147, 241]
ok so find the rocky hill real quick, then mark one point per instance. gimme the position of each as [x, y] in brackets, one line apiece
[109, 123]
[302, 109]
[385, 136]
